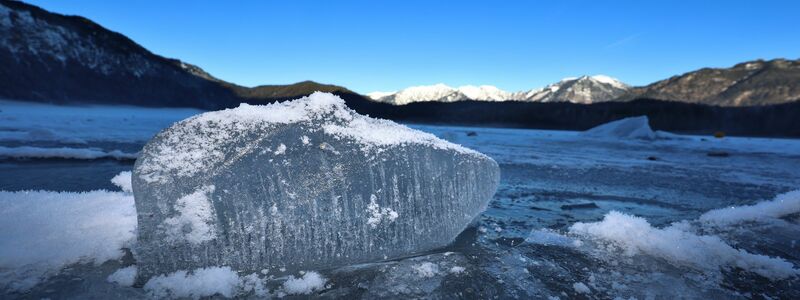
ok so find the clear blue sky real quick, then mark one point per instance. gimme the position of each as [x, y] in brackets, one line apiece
[382, 45]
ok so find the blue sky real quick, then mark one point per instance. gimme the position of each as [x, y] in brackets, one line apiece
[515, 45]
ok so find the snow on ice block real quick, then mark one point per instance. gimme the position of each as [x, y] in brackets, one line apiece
[628, 128]
[300, 185]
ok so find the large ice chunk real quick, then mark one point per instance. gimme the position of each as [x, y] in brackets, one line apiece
[628, 128]
[300, 185]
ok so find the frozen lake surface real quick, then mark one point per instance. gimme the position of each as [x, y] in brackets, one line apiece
[548, 232]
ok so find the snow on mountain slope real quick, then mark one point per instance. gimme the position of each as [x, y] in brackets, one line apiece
[484, 92]
[584, 89]
[437, 92]
[59, 41]
[54, 58]
[377, 95]
[610, 80]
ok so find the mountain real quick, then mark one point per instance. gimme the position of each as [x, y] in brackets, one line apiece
[48, 57]
[752, 83]
[584, 89]
[441, 93]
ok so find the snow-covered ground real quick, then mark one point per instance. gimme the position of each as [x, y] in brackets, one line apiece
[575, 216]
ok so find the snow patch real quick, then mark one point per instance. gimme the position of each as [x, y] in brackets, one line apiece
[484, 93]
[675, 244]
[124, 276]
[457, 270]
[610, 81]
[378, 214]
[378, 134]
[378, 95]
[426, 269]
[437, 92]
[123, 181]
[253, 283]
[203, 282]
[89, 227]
[309, 283]
[201, 142]
[782, 205]
[281, 149]
[581, 288]
[195, 215]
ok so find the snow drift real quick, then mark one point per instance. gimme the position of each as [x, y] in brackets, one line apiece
[635, 235]
[782, 205]
[45, 231]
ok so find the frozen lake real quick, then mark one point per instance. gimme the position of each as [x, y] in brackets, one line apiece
[548, 232]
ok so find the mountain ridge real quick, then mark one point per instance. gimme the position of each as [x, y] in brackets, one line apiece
[583, 89]
[86, 63]
[751, 83]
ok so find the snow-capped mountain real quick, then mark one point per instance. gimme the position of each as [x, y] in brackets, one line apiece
[441, 93]
[584, 89]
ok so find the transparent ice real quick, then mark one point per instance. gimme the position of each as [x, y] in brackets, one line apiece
[300, 185]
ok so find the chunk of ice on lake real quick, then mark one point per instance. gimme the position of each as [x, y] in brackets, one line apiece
[628, 128]
[300, 185]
